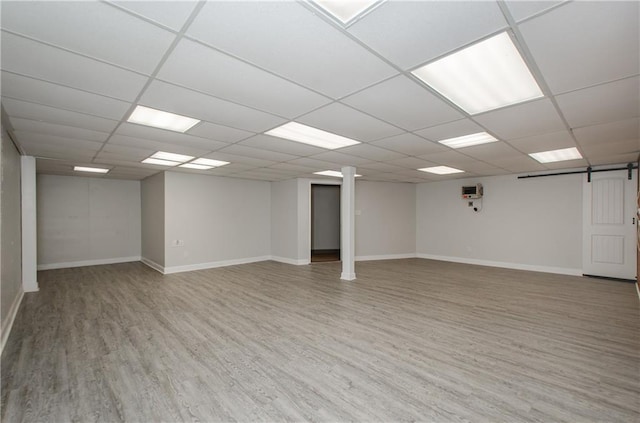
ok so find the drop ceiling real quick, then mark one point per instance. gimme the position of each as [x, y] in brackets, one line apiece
[72, 72]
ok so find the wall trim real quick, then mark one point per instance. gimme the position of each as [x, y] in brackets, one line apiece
[506, 265]
[88, 263]
[386, 257]
[11, 317]
[152, 264]
[295, 262]
[211, 265]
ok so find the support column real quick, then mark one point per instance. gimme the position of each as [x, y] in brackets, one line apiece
[29, 234]
[347, 223]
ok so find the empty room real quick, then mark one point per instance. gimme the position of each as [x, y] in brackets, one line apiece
[328, 211]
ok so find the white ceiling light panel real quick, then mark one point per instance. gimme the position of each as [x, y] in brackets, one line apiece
[90, 169]
[163, 155]
[333, 173]
[158, 119]
[308, 135]
[469, 140]
[557, 155]
[441, 170]
[485, 76]
[160, 162]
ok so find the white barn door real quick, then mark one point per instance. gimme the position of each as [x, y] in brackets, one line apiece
[609, 225]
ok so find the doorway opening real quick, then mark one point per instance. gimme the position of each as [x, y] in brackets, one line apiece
[325, 223]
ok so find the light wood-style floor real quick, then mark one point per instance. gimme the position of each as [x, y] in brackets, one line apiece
[408, 340]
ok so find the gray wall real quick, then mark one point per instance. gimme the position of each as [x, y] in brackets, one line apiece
[533, 222]
[152, 199]
[10, 229]
[385, 225]
[284, 220]
[85, 220]
[325, 200]
[217, 219]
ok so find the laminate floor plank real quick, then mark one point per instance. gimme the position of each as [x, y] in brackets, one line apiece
[409, 340]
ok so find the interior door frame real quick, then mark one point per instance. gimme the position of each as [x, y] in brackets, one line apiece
[311, 214]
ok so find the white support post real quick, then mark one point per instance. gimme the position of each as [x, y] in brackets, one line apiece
[347, 219]
[29, 234]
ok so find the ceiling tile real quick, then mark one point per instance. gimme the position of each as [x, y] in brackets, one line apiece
[172, 14]
[379, 167]
[582, 43]
[523, 9]
[450, 130]
[535, 117]
[606, 133]
[148, 144]
[235, 159]
[218, 132]
[135, 154]
[340, 159]
[518, 164]
[371, 152]
[404, 103]
[33, 90]
[614, 159]
[543, 142]
[313, 163]
[27, 110]
[36, 60]
[190, 65]
[290, 40]
[51, 151]
[64, 131]
[487, 152]
[171, 98]
[281, 145]
[46, 140]
[608, 102]
[411, 33]
[169, 137]
[409, 144]
[296, 168]
[450, 158]
[412, 163]
[107, 32]
[257, 153]
[350, 123]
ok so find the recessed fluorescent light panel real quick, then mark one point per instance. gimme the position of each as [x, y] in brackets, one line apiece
[485, 76]
[333, 173]
[160, 162]
[209, 162]
[306, 134]
[163, 155]
[441, 170]
[557, 155]
[159, 119]
[345, 10]
[196, 166]
[469, 140]
[90, 169]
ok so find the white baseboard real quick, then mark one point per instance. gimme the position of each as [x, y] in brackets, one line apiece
[11, 317]
[211, 265]
[295, 262]
[506, 265]
[386, 257]
[152, 264]
[87, 263]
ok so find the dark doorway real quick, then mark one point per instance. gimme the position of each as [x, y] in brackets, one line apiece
[325, 223]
